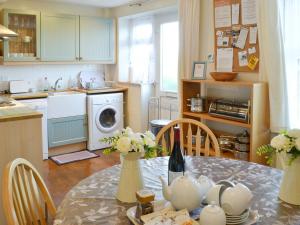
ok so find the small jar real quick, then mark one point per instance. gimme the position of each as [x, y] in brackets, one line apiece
[144, 203]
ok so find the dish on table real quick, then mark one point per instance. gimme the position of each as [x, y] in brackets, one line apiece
[163, 211]
[165, 206]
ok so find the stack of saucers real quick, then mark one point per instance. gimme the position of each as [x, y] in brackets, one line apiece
[240, 219]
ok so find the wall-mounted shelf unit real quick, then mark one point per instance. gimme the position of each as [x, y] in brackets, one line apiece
[258, 126]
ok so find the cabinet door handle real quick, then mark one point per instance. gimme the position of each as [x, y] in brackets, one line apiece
[80, 58]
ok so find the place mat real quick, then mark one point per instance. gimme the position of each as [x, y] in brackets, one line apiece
[73, 157]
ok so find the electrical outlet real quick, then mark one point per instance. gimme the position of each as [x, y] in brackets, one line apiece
[211, 58]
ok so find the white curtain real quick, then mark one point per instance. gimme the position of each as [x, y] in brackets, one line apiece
[189, 40]
[272, 68]
[141, 51]
[290, 14]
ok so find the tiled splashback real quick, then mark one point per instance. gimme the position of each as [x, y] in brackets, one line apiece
[35, 74]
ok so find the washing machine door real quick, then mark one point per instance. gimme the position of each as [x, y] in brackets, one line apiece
[107, 119]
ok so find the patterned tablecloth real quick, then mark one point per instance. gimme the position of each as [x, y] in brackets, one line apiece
[93, 201]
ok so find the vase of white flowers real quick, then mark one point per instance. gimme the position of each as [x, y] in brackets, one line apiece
[286, 146]
[132, 146]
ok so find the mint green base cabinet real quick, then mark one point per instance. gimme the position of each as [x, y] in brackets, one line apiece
[97, 39]
[68, 130]
[59, 37]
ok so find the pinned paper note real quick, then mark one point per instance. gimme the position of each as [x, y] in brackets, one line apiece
[249, 12]
[219, 33]
[243, 58]
[253, 35]
[253, 60]
[251, 50]
[242, 38]
[235, 10]
[223, 16]
[224, 59]
[223, 41]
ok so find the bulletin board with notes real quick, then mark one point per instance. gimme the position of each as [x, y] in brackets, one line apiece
[236, 36]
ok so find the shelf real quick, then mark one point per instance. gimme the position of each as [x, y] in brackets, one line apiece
[206, 116]
[226, 154]
[228, 83]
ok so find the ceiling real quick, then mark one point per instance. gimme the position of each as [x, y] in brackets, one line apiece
[98, 3]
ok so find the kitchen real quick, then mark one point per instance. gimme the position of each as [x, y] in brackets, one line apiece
[74, 73]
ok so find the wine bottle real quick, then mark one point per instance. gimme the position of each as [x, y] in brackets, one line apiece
[176, 160]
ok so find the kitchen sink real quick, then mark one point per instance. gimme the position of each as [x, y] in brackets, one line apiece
[57, 93]
[66, 104]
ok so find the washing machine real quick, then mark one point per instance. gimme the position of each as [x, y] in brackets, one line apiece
[105, 116]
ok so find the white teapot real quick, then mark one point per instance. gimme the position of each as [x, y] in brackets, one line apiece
[186, 192]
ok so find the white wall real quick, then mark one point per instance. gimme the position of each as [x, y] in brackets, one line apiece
[35, 74]
[127, 10]
[137, 105]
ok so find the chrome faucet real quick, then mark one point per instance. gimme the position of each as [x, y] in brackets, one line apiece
[56, 86]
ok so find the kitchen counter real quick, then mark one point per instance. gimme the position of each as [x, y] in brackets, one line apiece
[30, 95]
[17, 112]
[103, 90]
[20, 111]
[20, 137]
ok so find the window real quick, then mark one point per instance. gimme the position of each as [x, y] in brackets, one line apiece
[169, 45]
[142, 51]
[136, 50]
[290, 14]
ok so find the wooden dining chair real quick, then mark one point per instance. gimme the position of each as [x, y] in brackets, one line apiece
[26, 199]
[205, 142]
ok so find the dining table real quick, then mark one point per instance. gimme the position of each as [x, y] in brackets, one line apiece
[92, 201]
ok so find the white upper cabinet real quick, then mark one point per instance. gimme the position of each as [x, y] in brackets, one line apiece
[59, 37]
[97, 39]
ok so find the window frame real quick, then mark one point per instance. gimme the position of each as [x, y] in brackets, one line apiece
[159, 20]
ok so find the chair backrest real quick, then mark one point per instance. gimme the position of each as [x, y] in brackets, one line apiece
[195, 138]
[26, 199]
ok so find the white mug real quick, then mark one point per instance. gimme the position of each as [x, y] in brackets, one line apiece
[205, 184]
[235, 200]
[27, 39]
[212, 215]
[213, 195]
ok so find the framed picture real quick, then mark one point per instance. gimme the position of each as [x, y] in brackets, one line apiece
[199, 71]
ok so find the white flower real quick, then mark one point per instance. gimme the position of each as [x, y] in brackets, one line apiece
[124, 144]
[297, 143]
[140, 148]
[280, 142]
[117, 133]
[128, 130]
[136, 138]
[149, 142]
[150, 135]
[295, 133]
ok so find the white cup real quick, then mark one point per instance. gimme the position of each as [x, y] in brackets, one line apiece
[205, 184]
[235, 200]
[214, 194]
[212, 215]
[27, 39]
